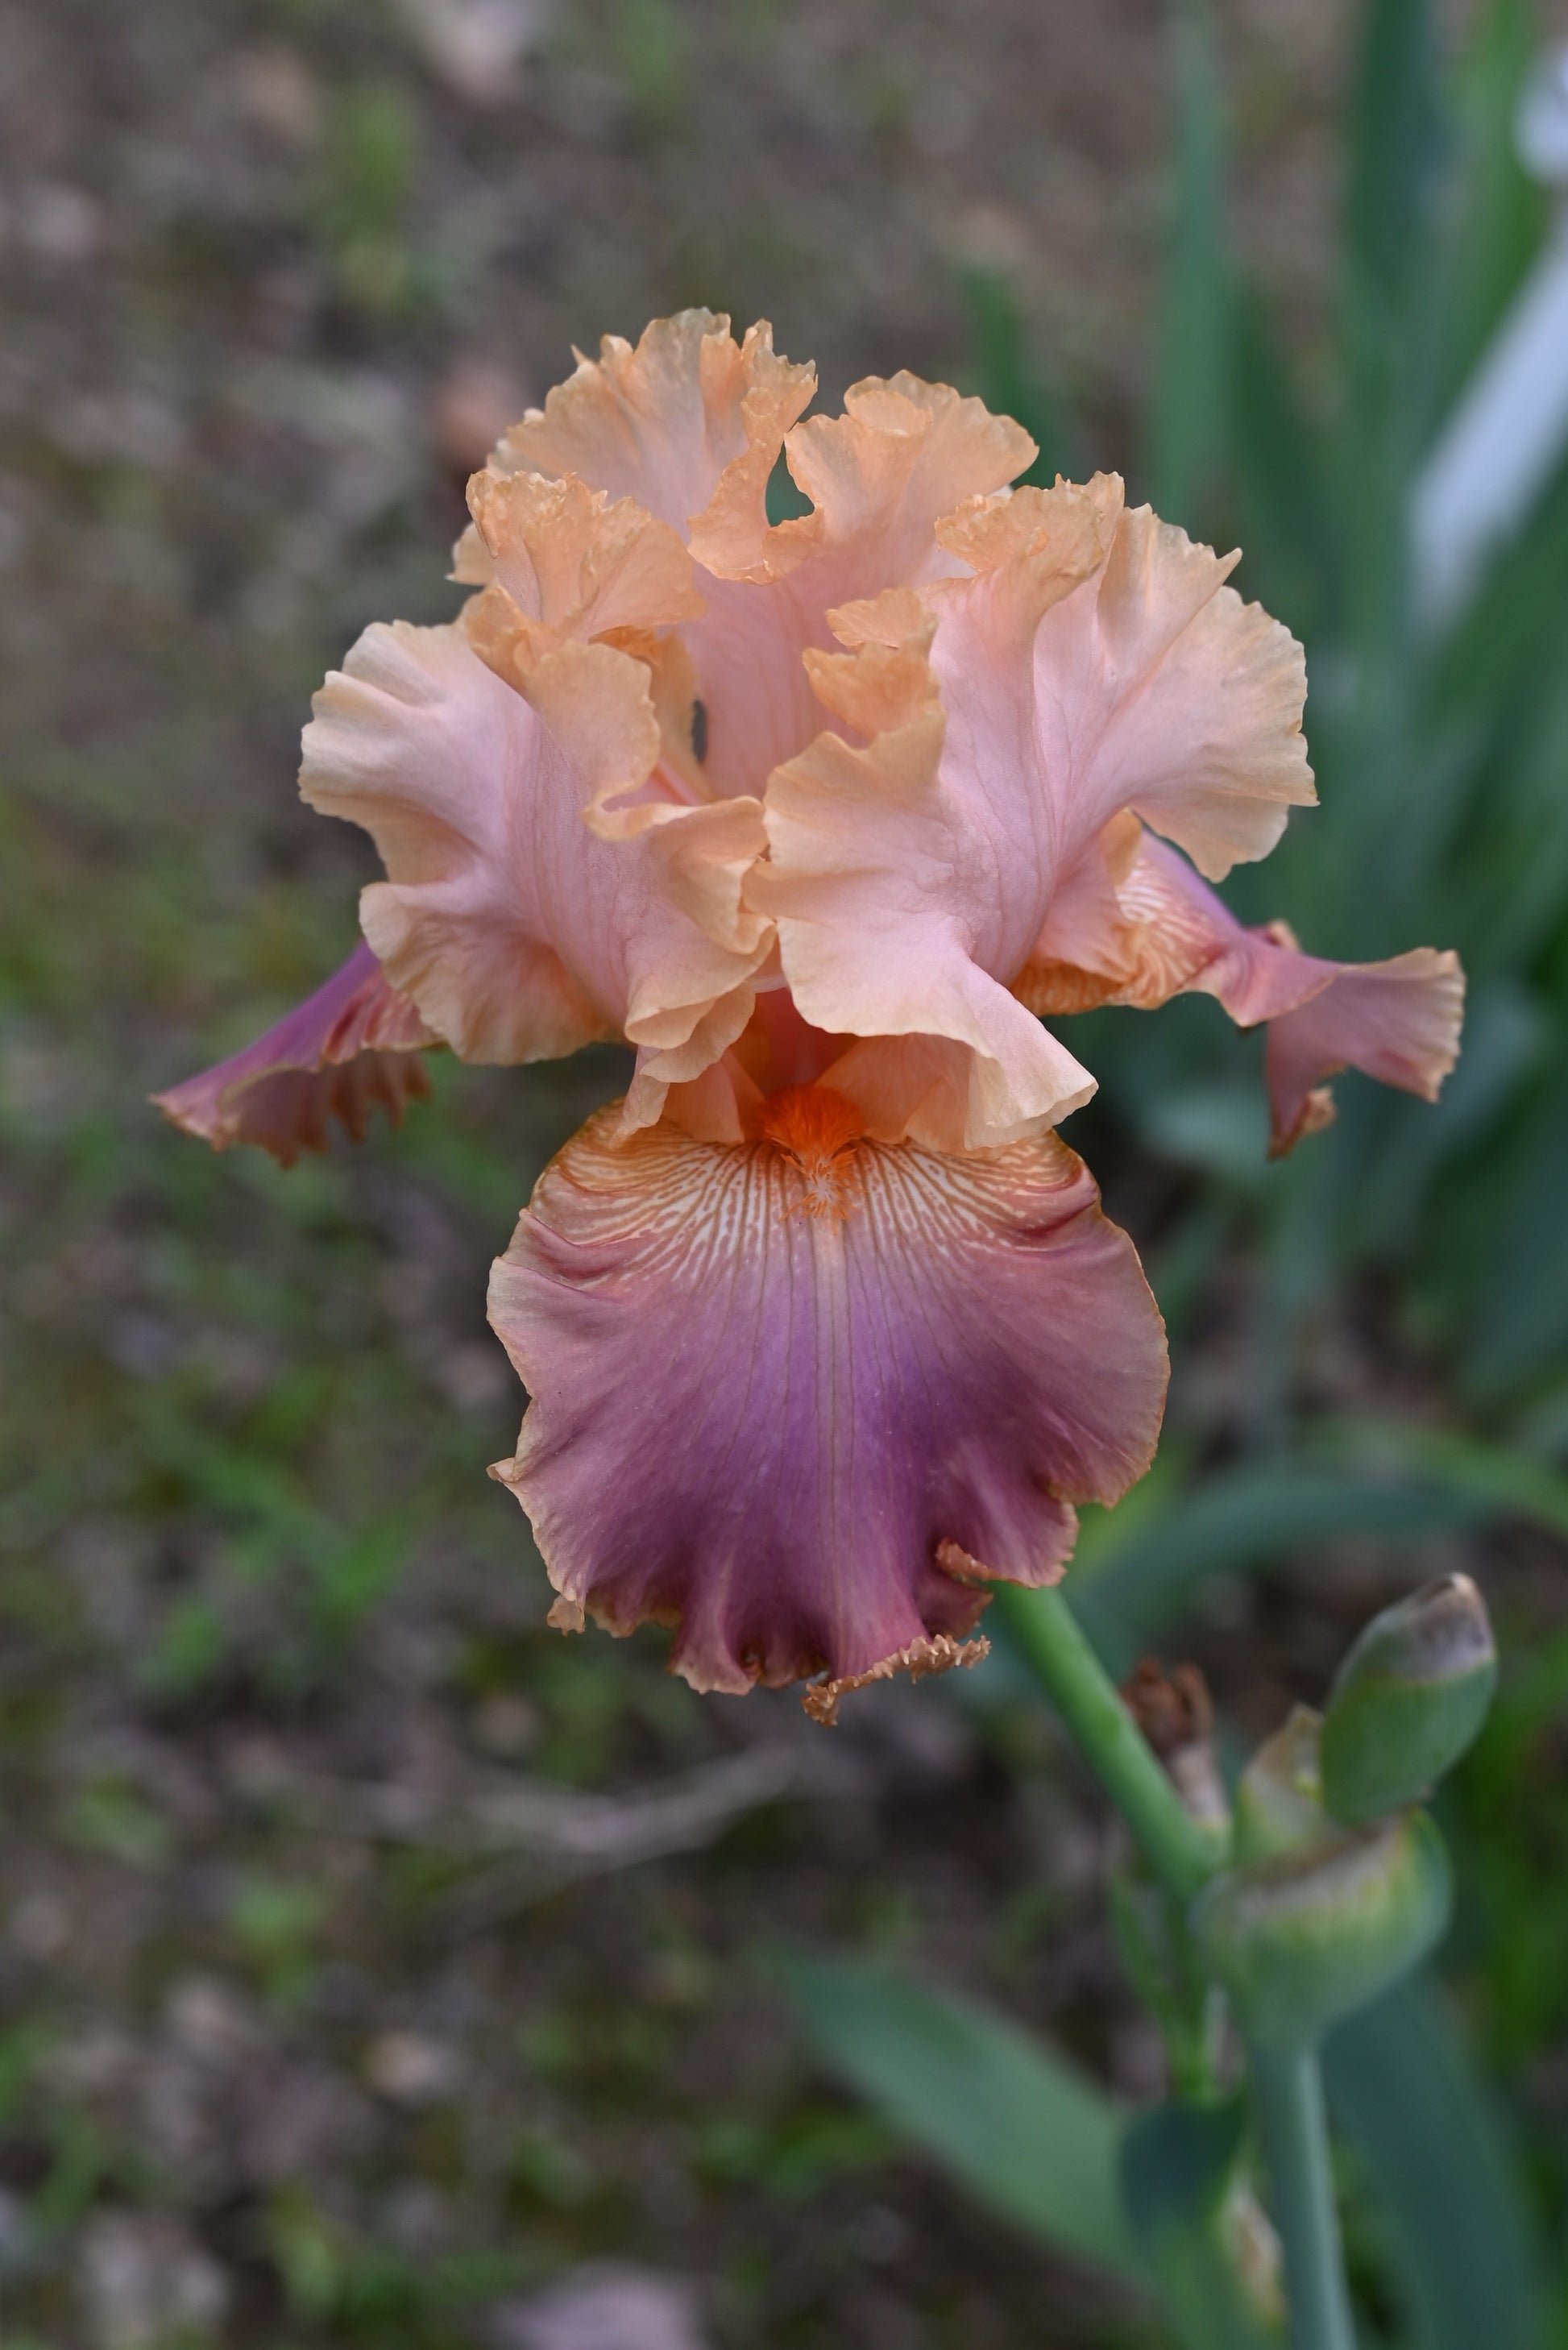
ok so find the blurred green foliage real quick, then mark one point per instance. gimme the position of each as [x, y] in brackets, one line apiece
[1443, 763]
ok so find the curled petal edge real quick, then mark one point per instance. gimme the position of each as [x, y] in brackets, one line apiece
[351, 1048]
[1139, 928]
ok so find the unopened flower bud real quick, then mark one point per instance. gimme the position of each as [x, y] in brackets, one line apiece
[1278, 1801]
[1407, 1700]
[1305, 1937]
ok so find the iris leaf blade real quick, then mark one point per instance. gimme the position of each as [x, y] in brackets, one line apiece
[1028, 2135]
[1460, 2232]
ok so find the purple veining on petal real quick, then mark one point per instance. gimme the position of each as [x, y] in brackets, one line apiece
[758, 1420]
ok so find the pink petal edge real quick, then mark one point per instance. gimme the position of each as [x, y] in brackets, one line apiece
[350, 1047]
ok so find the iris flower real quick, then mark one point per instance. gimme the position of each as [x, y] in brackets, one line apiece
[823, 1326]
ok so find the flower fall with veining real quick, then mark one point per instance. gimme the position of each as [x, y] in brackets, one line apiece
[822, 1328]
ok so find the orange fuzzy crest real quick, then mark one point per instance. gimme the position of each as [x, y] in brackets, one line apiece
[818, 1129]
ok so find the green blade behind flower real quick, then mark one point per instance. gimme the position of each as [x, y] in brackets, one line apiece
[1458, 2224]
[1027, 2136]
[1005, 374]
[1200, 2229]
[1242, 1519]
[1187, 425]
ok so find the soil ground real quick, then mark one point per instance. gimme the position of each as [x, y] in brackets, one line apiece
[352, 1990]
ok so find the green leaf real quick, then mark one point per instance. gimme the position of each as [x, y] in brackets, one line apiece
[1502, 211]
[1189, 2209]
[1462, 2234]
[1471, 1469]
[1392, 290]
[1244, 1518]
[1188, 423]
[1279, 462]
[1021, 2131]
[1395, 134]
[1009, 382]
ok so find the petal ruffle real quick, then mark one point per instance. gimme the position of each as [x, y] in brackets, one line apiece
[892, 910]
[880, 476]
[1097, 662]
[575, 565]
[689, 423]
[772, 1381]
[903, 454]
[1092, 667]
[347, 1049]
[519, 932]
[1397, 1020]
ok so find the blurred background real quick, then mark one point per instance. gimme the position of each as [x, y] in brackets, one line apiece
[376, 1965]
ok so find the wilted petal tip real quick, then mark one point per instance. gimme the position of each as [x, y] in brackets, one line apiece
[957, 1562]
[352, 1046]
[941, 1655]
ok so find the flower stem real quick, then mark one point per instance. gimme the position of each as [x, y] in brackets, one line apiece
[1287, 2097]
[1287, 2089]
[1083, 1693]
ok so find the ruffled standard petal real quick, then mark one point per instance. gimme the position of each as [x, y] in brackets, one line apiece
[801, 1396]
[1169, 933]
[575, 614]
[351, 1048]
[880, 477]
[1092, 667]
[688, 423]
[903, 454]
[894, 914]
[573, 563]
[519, 932]
[1097, 662]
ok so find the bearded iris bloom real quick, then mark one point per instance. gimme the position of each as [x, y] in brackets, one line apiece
[823, 1326]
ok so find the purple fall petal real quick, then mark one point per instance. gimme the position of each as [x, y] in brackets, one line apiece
[766, 1396]
[352, 1046]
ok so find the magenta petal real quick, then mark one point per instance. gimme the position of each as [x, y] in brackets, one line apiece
[351, 1046]
[1397, 1021]
[763, 1406]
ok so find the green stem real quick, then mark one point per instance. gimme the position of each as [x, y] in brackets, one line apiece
[1287, 2090]
[1083, 1693]
[1287, 2097]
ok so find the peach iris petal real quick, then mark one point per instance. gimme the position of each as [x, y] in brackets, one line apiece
[1094, 663]
[681, 422]
[689, 425]
[783, 1389]
[519, 933]
[880, 478]
[1398, 1021]
[1097, 662]
[574, 564]
[347, 1049]
[880, 886]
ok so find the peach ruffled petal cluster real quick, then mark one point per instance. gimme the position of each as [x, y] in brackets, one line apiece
[827, 818]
